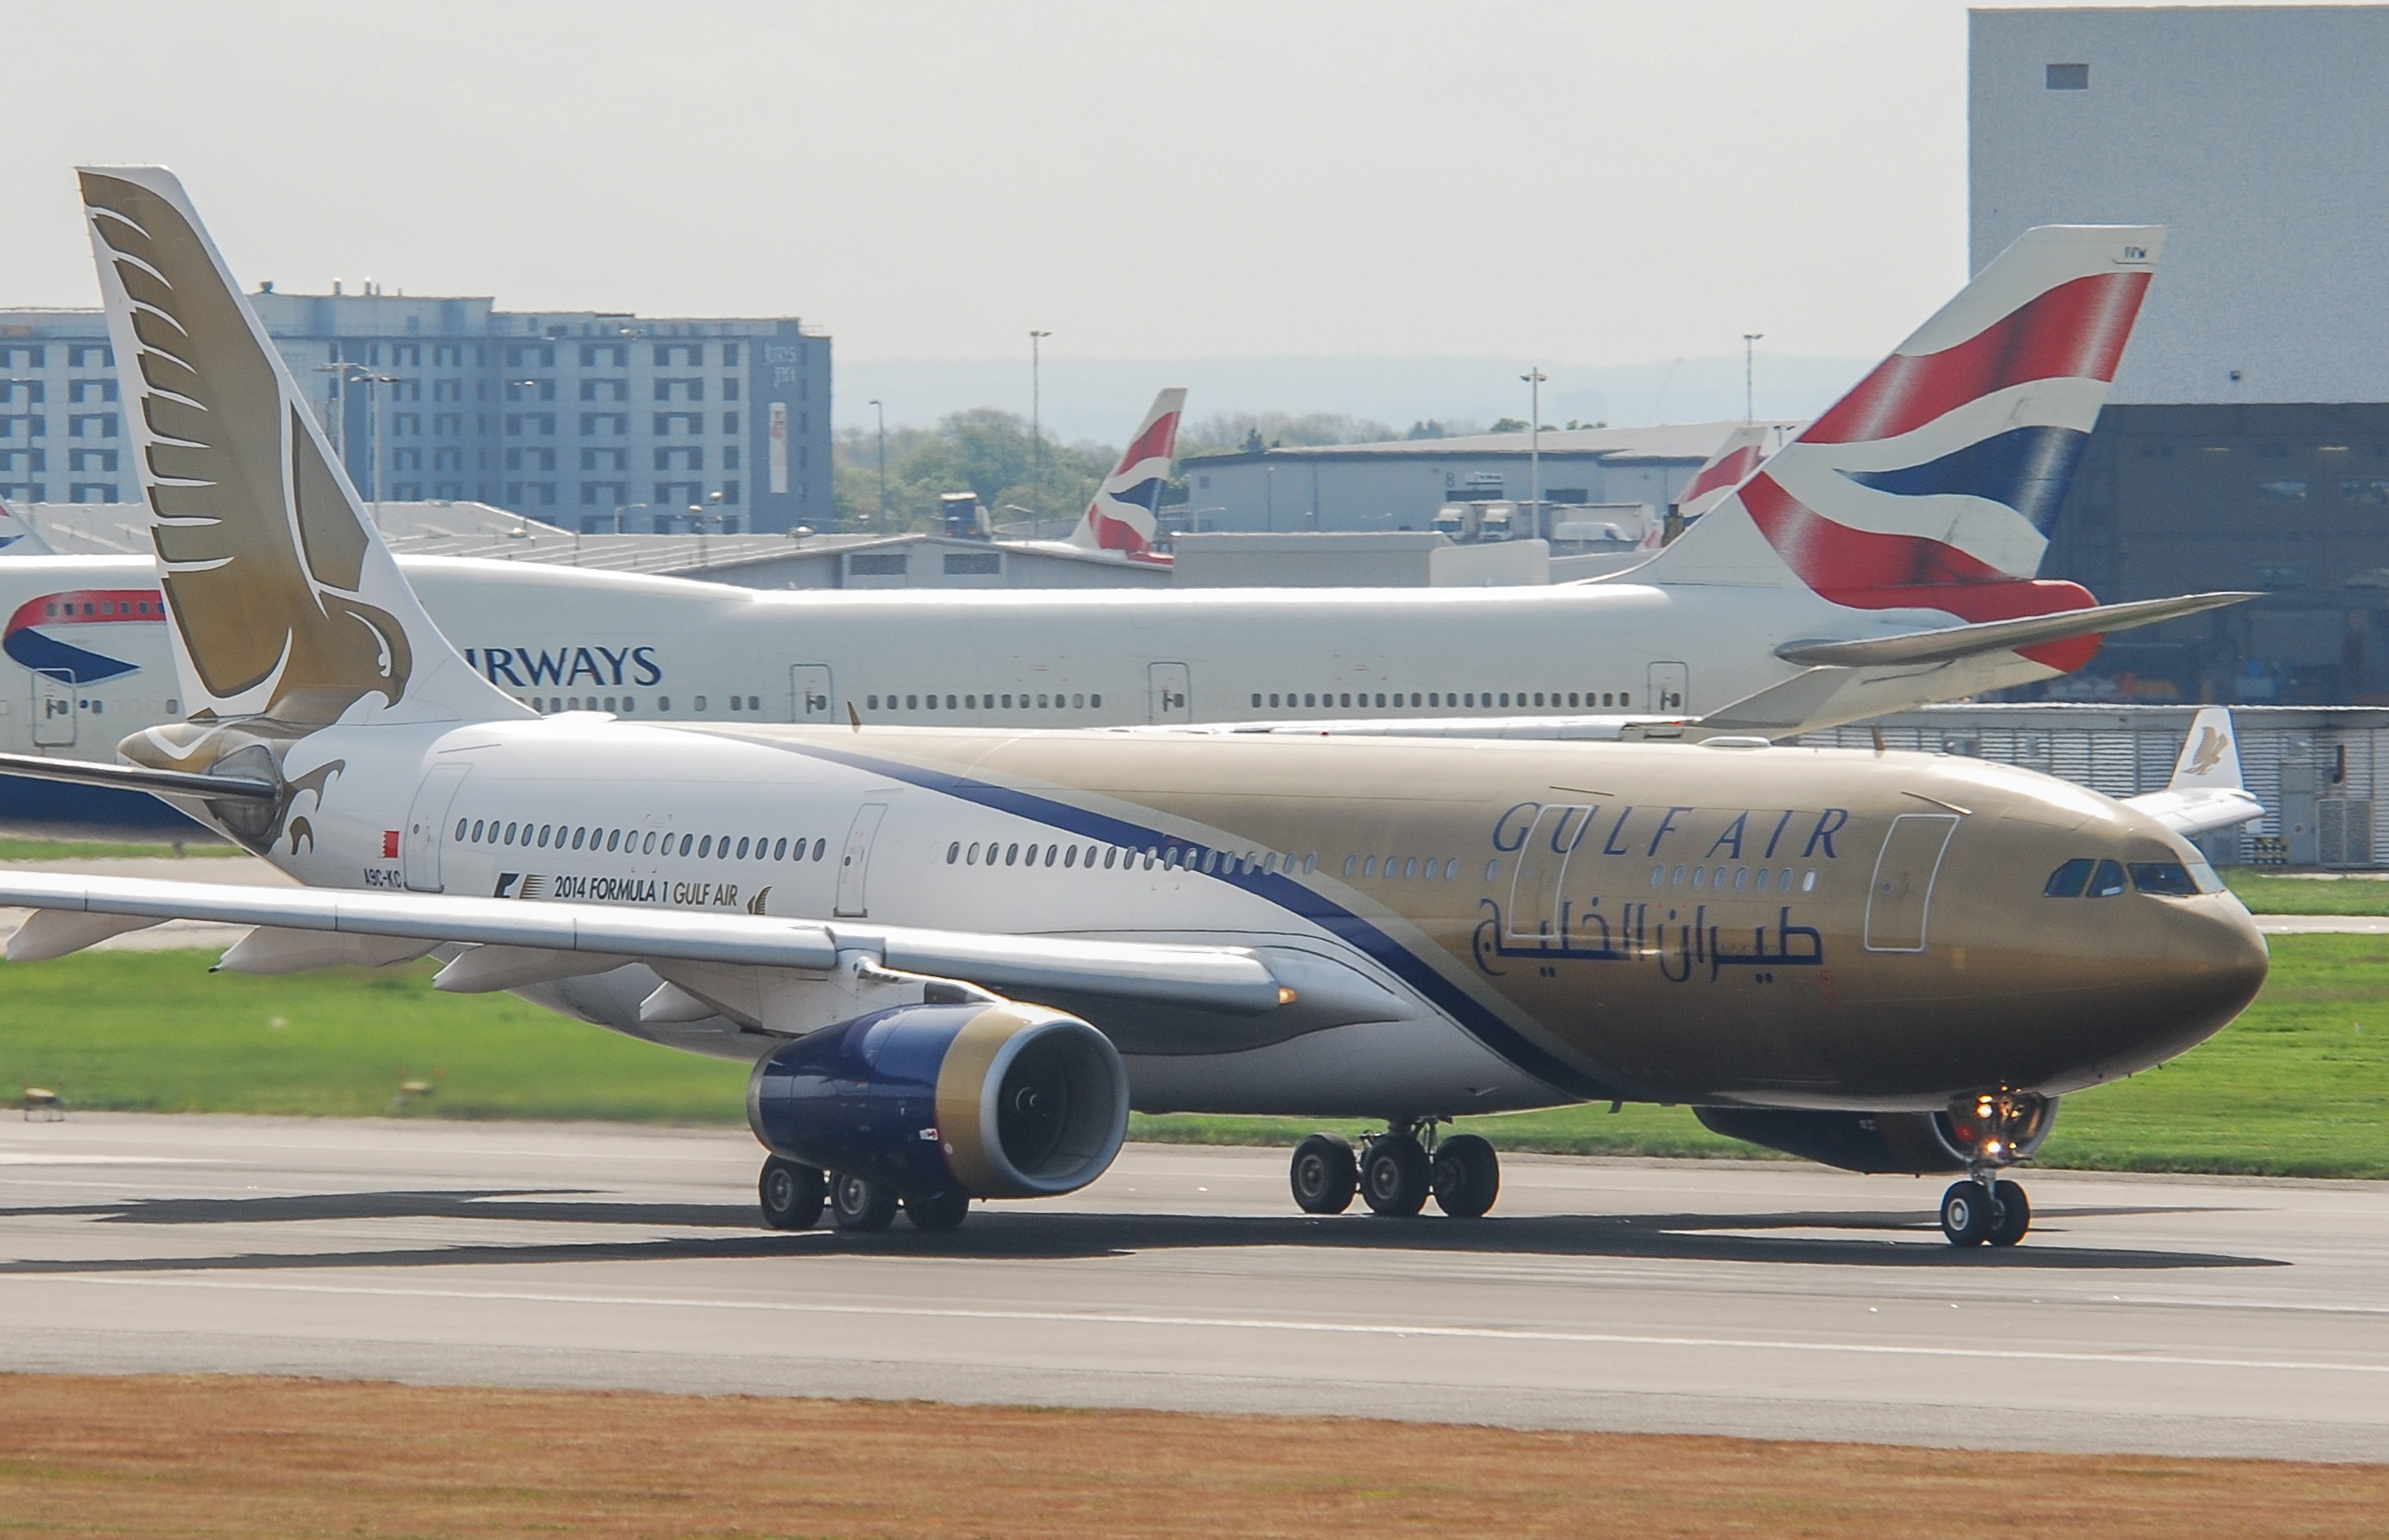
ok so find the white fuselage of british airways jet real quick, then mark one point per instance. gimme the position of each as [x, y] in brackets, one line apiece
[90, 659]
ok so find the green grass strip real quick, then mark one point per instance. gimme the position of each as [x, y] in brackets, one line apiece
[2299, 1086]
[98, 849]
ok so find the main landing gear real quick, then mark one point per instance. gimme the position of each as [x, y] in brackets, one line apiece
[1394, 1172]
[794, 1195]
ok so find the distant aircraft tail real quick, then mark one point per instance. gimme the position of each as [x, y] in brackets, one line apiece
[14, 530]
[285, 603]
[2206, 792]
[1125, 514]
[1931, 485]
[1728, 468]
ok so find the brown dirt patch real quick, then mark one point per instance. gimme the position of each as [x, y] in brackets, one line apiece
[88, 1456]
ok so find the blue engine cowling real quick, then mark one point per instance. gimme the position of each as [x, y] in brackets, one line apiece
[1001, 1100]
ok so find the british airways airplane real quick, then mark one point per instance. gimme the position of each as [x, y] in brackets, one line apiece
[1884, 558]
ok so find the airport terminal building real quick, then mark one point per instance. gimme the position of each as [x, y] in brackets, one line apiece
[2246, 443]
[589, 420]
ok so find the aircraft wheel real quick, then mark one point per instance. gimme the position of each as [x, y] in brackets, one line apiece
[1466, 1177]
[2013, 1216]
[860, 1203]
[940, 1211]
[1395, 1176]
[1966, 1214]
[1323, 1174]
[792, 1194]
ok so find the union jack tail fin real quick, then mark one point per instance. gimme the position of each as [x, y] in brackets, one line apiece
[1930, 486]
[12, 528]
[1728, 468]
[1125, 514]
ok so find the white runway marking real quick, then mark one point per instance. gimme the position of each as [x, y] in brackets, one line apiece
[1234, 1323]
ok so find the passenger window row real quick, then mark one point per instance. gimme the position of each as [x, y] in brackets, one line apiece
[559, 836]
[1209, 861]
[1052, 700]
[2084, 878]
[1435, 700]
[1403, 867]
[628, 704]
[1715, 878]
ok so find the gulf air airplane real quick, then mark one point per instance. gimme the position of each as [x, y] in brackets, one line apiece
[1883, 559]
[957, 957]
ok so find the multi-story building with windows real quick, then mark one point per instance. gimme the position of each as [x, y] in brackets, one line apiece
[585, 419]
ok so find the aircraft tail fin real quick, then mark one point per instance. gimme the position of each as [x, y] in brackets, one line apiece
[285, 603]
[1728, 468]
[2207, 793]
[15, 532]
[1932, 484]
[1126, 513]
[2210, 754]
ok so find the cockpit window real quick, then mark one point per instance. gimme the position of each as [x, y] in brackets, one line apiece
[2067, 881]
[2166, 878]
[2204, 877]
[2108, 880]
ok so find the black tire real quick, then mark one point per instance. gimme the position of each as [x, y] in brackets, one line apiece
[861, 1203]
[1466, 1177]
[1966, 1214]
[791, 1194]
[1395, 1176]
[1323, 1174]
[2013, 1215]
[941, 1210]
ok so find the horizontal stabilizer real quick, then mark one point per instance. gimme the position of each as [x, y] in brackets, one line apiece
[1950, 644]
[137, 778]
[1206, 978]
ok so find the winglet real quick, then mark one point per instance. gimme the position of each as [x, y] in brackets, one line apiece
[853, 716]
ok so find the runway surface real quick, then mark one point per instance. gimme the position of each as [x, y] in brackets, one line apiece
[2159, 1314]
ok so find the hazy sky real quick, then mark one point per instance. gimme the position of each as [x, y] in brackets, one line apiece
[1592, 182]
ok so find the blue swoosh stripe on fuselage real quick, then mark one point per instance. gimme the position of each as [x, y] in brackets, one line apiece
[1481, 1023]
[48, 655]
[2027, 468]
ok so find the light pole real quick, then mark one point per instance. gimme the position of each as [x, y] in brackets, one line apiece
[1534, 377]
[373, 434]
[1748, 340]
[1036, 441]
[883, 464]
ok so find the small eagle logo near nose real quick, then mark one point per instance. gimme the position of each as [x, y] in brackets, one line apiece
[2209, 752]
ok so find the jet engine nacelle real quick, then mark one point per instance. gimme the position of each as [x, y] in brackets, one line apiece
[1876, 1143]
[1005, 1100]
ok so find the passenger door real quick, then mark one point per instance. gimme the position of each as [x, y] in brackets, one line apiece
[1542, 869]
[854, 865]
[809, 685]
[425, 821]
[1900, 902]
[1671, 686]
[53, 711]
[1171, 686]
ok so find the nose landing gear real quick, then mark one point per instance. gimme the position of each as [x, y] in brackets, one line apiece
[1995, 1129]
[1394, 1172]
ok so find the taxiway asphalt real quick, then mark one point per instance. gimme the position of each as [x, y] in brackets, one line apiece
[2199, 1315]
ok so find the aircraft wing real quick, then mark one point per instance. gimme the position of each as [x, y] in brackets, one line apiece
[2206, 792]
[1952, 642]
[72, 912]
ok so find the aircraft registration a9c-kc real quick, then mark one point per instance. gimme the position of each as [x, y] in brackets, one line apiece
[956, 958]
[1883, 559]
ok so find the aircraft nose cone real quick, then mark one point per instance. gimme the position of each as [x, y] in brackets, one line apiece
[2215, 963]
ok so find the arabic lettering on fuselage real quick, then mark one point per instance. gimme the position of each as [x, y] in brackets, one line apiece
[525, 668]
[1548, 840]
